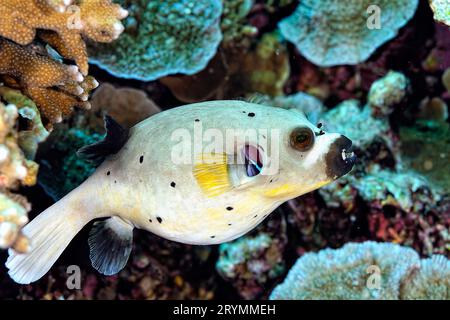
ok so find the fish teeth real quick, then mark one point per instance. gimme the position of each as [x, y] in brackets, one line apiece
[346, 155]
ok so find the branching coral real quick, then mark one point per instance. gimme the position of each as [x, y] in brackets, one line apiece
[60, 5]
[98, 20]
[332, 32]
[162, 38]
[53, 86]
[367, 270]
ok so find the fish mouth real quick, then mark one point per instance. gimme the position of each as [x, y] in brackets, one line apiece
[340, 158]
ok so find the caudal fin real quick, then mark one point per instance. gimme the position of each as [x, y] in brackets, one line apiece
[50, 233]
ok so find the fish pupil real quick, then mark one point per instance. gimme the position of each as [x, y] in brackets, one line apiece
[253, 162]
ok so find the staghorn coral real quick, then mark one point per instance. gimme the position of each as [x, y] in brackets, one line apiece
[369, 270]
[387, 92]
[54, 87]
[441, 10]
[330, 33]
[162, 38]
[98, 20]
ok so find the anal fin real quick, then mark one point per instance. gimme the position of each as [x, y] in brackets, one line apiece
[110, 244]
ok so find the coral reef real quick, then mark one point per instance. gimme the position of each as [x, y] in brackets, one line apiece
[98, 20]
[263, 69]
[346, 75]
[61, 169]
[441, 10]
[111, 100]
[13, 216]
[162, 38]
[332, 33]
[387, 92]
[15, 170]
[366, 270]
[233, 23]
[425, 147]
[54, 87]
[253, 262]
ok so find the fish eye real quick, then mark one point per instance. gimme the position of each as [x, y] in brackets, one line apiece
[302, 139]
[252, 160]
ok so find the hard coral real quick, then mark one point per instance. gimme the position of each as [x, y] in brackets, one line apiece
[366, 270]
[330, 33]
[441, 10]
[53, 86]
[98, 20]
[162, 38]
[253, 262]
[15, 170]
[387, 92]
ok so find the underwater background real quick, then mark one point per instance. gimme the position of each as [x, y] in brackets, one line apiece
[375, 71]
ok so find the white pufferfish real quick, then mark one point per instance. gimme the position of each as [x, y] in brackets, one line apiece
[138, 185]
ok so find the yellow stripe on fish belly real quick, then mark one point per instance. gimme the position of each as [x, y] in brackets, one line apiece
[211, 173]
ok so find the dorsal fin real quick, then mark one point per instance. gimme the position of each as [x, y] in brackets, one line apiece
[115, 138]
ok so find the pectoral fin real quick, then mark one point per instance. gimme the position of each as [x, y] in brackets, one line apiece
[110, 244]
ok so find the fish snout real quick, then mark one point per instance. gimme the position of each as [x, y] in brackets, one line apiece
[340, 158]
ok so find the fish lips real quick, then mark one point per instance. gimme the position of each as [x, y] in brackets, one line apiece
[340, 159]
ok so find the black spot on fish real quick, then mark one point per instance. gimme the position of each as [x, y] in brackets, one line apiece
[251, 114]
[173, 184]
[255, 216]
[229, 224]
[319, 125]
[271, 180]
[213, 237]
[115, 181]
[244, 112]
[108, 173]
[197, 120]
[150, 220]
[141, 159]
[159, 219]
[229, 208]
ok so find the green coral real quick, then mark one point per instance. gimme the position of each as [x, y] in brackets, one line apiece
[61, 169]
[387, 92]
[366, 270]
[331, 32]
[441, 10]
[357, 123]
[425, 147]
[162, 38]
[233, 20]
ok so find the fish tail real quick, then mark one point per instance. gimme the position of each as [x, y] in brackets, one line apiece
[50, 233]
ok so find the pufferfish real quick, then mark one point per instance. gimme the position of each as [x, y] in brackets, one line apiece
[210, 196]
